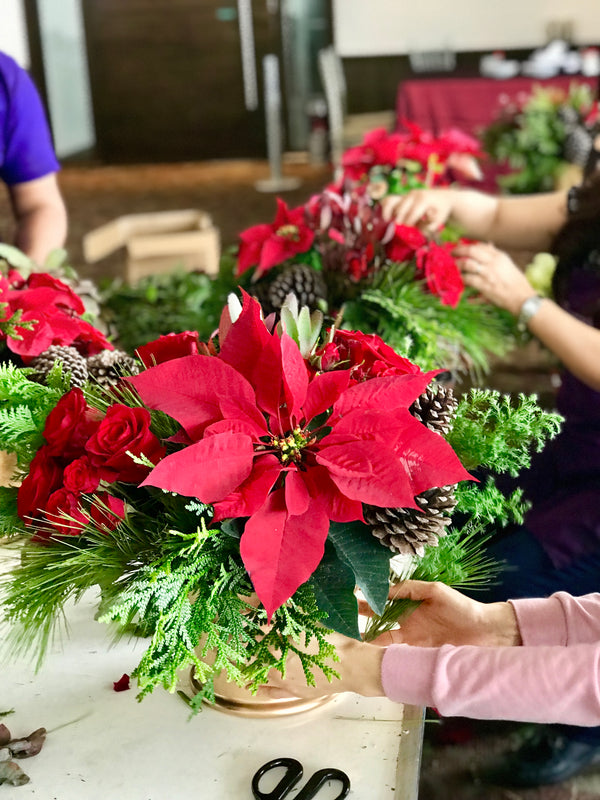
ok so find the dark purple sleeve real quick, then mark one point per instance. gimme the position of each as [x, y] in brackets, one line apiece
[26, 149]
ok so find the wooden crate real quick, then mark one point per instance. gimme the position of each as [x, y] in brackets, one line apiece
[157, 242]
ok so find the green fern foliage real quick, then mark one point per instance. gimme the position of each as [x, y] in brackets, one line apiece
[24, 406]
[500, 432]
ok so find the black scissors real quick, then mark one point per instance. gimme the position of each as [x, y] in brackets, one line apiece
[293, 773]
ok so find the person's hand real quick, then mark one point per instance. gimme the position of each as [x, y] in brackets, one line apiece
[445, 616]
[494, 274]
[427, 209]
[359, 668]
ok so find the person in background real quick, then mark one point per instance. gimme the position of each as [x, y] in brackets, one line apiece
[558, 547]
[28, 165]
[533, 660]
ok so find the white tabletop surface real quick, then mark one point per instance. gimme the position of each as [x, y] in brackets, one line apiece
[104, 745]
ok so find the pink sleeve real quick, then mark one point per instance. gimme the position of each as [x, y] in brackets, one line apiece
[529, 684]
[559, 619]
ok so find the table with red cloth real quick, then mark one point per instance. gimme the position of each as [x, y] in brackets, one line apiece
[470, 104]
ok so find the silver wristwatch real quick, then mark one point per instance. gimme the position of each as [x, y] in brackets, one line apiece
[529, 308]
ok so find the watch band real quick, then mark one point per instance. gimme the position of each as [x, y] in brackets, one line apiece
[529, 308]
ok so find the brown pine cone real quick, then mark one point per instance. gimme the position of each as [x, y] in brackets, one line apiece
[299, 279]
[72, 361]
[108, 367]
[410, 530]
[436, 408]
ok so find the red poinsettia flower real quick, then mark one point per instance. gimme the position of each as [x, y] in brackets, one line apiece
[288, 449]
[266, 246]
[441, 272]
[171, 345]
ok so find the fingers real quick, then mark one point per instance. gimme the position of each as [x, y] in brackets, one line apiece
[414, 590]
[411, 209]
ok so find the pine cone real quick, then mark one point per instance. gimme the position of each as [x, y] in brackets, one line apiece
[306, 283]
[436, 408]
[409, 530]
[568, 116]
[578, 145]
[109, 366]
[72, 361]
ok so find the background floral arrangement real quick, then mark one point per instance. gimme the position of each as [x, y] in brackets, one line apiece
[403, 160]
[337, 252]
[286, 464]
[536, 134]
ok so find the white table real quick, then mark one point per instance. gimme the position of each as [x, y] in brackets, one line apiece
[104, 745]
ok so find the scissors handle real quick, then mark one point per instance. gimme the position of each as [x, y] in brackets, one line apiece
[293, 773]
[320, 778]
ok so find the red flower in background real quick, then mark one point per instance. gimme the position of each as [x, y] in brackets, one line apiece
[266, 246]
[441, 272]
[257, 451]
[53, 312]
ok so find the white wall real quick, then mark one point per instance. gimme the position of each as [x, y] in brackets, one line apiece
[390, 27]
[13, 33]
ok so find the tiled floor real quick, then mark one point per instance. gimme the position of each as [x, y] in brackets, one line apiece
[97, 194]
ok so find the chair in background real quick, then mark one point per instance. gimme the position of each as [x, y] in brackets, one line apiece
[345, 130]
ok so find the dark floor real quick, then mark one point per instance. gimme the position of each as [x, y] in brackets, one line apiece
[226, 190]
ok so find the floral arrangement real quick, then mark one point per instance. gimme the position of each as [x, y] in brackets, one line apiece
[397, 162]
[337, 252]
[537, 133]
[228, 499]
[39, 310]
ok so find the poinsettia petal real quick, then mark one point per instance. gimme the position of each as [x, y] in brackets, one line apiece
[339, 508]
[256, 354]
[252, 493]
[323, 391]
[281, 551]
[368, 471]
[295, 377]
[196, 386]
[388, 393]
[209, 469]
[297, 497]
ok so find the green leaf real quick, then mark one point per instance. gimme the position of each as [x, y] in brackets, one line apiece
[333, 585]
[16, 259]
[366, 557]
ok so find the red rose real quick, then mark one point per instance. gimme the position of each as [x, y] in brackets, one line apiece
[81, 476]
[70, 424]
[165, 348]
[124, 429]
[44, 477]
[441, 273]
[407, 240]
[107, 511]
[368, 356]
[64, 513]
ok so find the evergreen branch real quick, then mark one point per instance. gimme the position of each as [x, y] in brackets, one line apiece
[487, 505]
[496, 431]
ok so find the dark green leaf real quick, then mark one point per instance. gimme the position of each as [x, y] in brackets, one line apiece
[333, 584]
[368, 560]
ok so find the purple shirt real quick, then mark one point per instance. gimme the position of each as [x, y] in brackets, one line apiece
[26, 149]
[563, 482]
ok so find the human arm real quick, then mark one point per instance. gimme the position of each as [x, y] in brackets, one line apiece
[40, 217]
[575, 343]
[518, 222]
[544, 682]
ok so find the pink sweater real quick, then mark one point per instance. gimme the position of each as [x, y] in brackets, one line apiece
[554, 677]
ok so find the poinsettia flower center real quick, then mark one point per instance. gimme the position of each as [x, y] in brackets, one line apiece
[289, 448]
[291, 232]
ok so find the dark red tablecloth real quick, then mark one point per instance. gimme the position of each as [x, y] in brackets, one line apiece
[437, 104]
[469, 104]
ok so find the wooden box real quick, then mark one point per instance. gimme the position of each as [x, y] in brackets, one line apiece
[157, 242]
